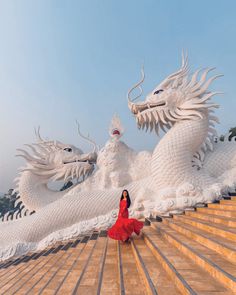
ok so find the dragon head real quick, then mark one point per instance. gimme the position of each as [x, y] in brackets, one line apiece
[53, 160]
[178, 97]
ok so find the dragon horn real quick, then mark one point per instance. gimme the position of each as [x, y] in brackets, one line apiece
[95, 147]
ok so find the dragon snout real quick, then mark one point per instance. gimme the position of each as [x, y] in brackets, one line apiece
[93, 158]
[136, 108]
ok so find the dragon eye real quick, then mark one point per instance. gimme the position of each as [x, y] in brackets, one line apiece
[158, 91]
[68, 149]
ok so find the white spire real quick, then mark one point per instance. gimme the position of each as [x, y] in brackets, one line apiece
[116, 129]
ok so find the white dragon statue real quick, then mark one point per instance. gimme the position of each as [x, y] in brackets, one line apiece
[186, 167]
[49, 161]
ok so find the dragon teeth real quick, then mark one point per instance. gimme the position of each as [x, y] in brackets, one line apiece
[151, 126]
[142, 119]
[155, 116]
[157, 129]
[162, 117]
[149, 115]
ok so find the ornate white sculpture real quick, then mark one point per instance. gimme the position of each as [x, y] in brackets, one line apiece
[171, 178]
[116, 129]
[50, 161]
[182, 104]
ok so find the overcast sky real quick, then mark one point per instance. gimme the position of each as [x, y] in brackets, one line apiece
[67, 60]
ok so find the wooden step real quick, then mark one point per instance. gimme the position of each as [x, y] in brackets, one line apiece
[221, 246]
[212, 262]
[230, 222]
[156, 278]
[219, 212]
[188, 276]
[217, 229]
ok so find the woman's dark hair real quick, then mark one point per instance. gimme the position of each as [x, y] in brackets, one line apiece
[127, 197]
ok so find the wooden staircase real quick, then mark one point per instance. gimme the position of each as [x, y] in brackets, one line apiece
[192, 253]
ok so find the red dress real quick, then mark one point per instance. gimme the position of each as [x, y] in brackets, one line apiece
[124, 226]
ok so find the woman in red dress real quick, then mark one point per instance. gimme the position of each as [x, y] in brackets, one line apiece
[124, 226]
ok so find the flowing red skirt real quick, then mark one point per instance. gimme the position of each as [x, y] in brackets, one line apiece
[124, 227]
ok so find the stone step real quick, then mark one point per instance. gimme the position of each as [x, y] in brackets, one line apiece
[17, 279]
[187, 275]
[212, 262]
[45, 275]
[156, 278]
[16, 264]
[96, 264]
[229, 202]
[89, 281]
[226, 197]
[221, 246]
[110, 283]
[11, 266]
[130, 279]
[23, 258]
[219, 212]
[33, 267]
[217, 229]
[230, 222]
[75, 274]
[142, 268]
[229, 207]
[88, 269]
[39, 282]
